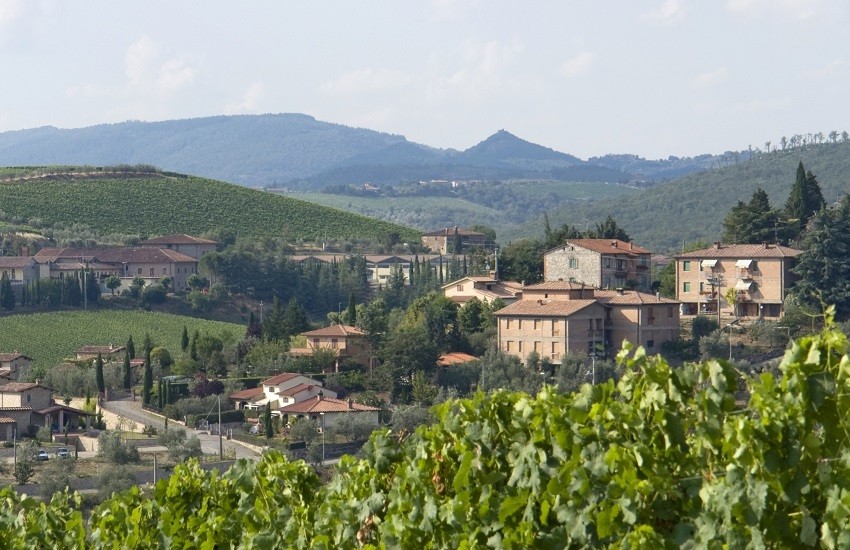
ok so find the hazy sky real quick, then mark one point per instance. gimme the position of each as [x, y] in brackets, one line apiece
[654, 78]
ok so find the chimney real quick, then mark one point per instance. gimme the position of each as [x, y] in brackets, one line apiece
[717, 245]
[319, 397]
[350, 405]
[631, 246]
[25, 251]
[614, 244]
[766, 246]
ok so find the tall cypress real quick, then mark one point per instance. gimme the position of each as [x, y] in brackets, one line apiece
[147, 386]
[184, 339]
[267, 421]
[7, 294]
[804, 201]
[131, 347]
[127, 371]
[98, 373]
[351, 311]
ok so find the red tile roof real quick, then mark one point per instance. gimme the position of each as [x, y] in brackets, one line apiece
[298, 389]
[114, 254]
[247, 394]
[280, 378]
[18, 387]
[630, 297]
[335, 330]
[742, 251]
[545, 308]
[321, 404]
[105, 350]
[455, 358]
[558, 285]
[450, 231]
[16, 261]
[608, 246]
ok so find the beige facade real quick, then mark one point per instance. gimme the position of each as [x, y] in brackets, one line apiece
[486, 289]
[188, 245]
[25, 394]
[379, 268]
[442, 240]
[347, 342]
[602, 263]
[756, 276]
[557, 318]
[19, 269]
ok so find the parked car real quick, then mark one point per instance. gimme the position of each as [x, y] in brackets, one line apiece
[42, 455]
[63, 452]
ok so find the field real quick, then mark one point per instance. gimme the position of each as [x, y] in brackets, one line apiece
[155, 204]
[51, 337]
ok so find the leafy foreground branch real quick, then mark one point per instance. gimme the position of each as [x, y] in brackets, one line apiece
[665, 458]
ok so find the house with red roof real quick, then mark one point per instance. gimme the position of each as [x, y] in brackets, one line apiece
[348, 343]
[561, 317]
[483, 287]
[13, 366]
[601, 263]
[182, 243]
[280, 390]
[327, 411]
[26, 406]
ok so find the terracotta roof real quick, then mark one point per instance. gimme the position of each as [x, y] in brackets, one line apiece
[17, 387]
[180, 238]
[7, 420]
[605, 246]
[6, 357]
[455, 358]
[299, 388]
[105, 350]
[280, 378]
[247, 394]
[630, 297]
[559, 285]
[114, 254]
[321, 404]
[743, 251]
[450, 231]
[14, 409]
[56, 407]
[16, 261]
[335, 330]
[545, 308]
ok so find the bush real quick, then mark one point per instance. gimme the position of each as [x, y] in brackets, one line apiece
[44, 434]
[115, 480]
[154, 294]
[55, 477]
[703, 325]
[179, 446]
[354, 427]
[116, 451]
[409, 417]
[304, 429]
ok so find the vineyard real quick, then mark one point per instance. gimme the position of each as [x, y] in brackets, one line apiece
[51, 337]
[156, 204]
[665, 458]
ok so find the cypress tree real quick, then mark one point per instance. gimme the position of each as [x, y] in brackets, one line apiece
[184, 339]
[804, 201]
[147, 385]
[267, 421]
[131, 347]
[7, 294]
[98, 373]
[351, 311]
[127, 371]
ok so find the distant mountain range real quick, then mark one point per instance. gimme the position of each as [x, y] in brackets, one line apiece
[297, 151]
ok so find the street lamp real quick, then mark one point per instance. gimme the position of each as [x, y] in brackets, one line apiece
[321, 414]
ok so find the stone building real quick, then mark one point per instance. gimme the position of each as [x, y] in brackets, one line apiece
[601, 263]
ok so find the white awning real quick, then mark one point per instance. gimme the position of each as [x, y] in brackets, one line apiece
[743, 264]
[708, 263]
[743, 285]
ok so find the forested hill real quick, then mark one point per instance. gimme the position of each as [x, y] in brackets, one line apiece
[156, 203]
[693, 207]
[297, 151]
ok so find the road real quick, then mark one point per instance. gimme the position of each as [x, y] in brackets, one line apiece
[132, 410]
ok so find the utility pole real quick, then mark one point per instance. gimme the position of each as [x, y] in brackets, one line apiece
[220, 442]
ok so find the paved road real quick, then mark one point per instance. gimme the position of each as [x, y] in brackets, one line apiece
[209, 443]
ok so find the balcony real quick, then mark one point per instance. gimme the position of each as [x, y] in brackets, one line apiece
[620, 273]
[642, 266]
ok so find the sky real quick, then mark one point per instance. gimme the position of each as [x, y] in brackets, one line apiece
[653, 78]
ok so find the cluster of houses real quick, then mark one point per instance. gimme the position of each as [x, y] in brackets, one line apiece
[174, 256]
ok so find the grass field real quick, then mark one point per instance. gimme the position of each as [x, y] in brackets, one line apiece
[51, 337]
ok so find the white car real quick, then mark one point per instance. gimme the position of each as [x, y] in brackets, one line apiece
[42, 455]
[63, 452]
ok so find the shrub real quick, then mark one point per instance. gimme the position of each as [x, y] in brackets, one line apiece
[116, 451]
[115, 480]
[304, 429]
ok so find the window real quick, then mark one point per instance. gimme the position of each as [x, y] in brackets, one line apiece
[686, 287]
[165, 271]
[670, 312]
[29, 397]
[507, 324]
[573, 263]
[753, 266]
[519, 346]
[650, 344]
[607, 283]
[608, 262]
[460, 288]
[151, 272]
[536, 324]
[701, 287]
[538, 347]
[519, 324]
[13, 273]
[686, 265]
[334, 343]
[139, 272]
[508, 345]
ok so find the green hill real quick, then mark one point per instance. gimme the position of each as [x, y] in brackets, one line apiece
[51, 337]
[693, 207]
[161, 203]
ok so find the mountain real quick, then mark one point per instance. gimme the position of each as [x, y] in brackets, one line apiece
[297, 151]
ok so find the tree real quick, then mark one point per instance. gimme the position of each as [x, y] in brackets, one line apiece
[754, 222]
[92, 289]
[804, 201]
[165, 281]
[304, 429]
[267, 422]
[116, 451]
[7, 294]
[351, 310]
[184, 339]
[609, 230]
[522, 261]
[195, 282]
[824, 264]
[147, 384]
[127, 372]
[98, 372]
[112, 282]
[131, 348]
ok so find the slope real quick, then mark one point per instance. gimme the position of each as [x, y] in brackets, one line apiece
[158, 203]
[693, 207]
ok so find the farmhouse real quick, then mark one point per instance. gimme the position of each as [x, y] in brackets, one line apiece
[602, 263]
[188, 245]
[28, 406]
[448, 240]
[278, 391]
[13, 366]
[345, 341]
[485, 288]
[327, 411]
